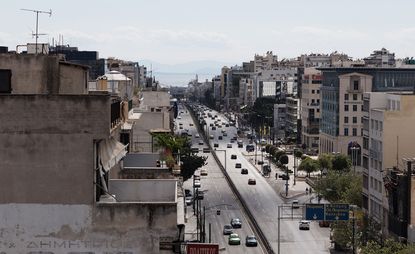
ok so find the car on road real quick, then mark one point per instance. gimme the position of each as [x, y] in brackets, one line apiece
[190, 124]
[197, 184]
[233, 157]
[251, 181]
[236, 223]
[250, 241]
[216, 145]
[200, 142]
[203, 172]
[181, 127]
[227, 125]
[240, 144]
[196, 177]
[234, 239]
[210, 136]
[197, 135]
[187, 193]
[260, 162]
[304, 225]
[324, 223]
[284, 177]
[206, 150]
[213, 128]
[189, 200]
[225, 134]
[238, 165]
[179, 117]
[227, 229]
[220, 138]
[199, 194]
[229, 145]
[295, 204]
[250, 148]
[244, 171]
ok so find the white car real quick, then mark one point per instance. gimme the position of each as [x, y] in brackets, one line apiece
[197, 184]
[304, 225]
[203, 172]
[179, 117]
[197, 135]
[229, 145]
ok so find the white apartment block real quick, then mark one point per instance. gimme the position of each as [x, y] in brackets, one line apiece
[387, 138]
[267, 62]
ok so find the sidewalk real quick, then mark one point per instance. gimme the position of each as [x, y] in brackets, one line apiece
[294, 190]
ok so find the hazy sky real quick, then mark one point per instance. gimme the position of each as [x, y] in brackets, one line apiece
[178, 31]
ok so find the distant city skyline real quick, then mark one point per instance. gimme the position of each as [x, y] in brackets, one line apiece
[175, 32]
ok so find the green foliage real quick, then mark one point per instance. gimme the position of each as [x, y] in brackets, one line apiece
[277, 154]
[308, 165]
[283, 159]
[190, 163]
[262, 112]
[298, 153]
[341, 187]
[325, 161]
[273, 150]
[341, 162]
[389, 247]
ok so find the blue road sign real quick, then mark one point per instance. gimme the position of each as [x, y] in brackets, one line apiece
[336, 212]
[314, 211]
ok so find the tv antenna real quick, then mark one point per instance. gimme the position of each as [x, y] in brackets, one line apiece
[36, 35]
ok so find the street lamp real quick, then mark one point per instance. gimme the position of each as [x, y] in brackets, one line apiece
[210, 225]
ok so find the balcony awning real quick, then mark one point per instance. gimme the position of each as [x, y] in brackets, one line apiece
[110, 152]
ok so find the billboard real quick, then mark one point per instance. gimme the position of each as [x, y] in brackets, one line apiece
[202, 248]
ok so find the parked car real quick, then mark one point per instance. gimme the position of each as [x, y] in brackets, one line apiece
[227, 229]
[251, 181]
[238, 165]
[304, 225]
[201, 142]
[236, 223]
[250, 241]
[250, 148]
[210, 136]
[229, 145]
[206, 150]
[203, 172]
[233, 157]
[199, 194]
[189, 200]
[244, 171]
[197, 184]
[234, 239]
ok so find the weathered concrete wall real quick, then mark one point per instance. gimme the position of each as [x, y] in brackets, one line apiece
[143, 190]
[143, 125]
[73, 79]
[107, 228]
[46, 147]
[43, 74]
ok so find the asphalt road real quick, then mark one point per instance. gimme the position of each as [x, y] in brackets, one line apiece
[218, 195]
[263, 201]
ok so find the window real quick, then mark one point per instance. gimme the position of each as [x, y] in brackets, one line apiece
[346, 107]
[5, 81]
[346, 119]
[346, 131]
[318, 91]
[361, 119]
[318, 110]
[354, 107]
[354, 119]
[346, 97]
[381, 126]
[355, 97]
[362, 108]
[313, 91]
[356, 85]
[354, 132]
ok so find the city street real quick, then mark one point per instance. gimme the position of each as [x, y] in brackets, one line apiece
[263, 201]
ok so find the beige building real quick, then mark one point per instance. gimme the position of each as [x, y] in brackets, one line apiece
[345, 106]
[387, 138]
[59, 146]
[310, 109]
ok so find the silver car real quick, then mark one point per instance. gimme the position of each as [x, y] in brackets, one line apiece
[227, 229]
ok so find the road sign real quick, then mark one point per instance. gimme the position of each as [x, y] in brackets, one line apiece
[314, 211]
[202, 248]
[336, 212]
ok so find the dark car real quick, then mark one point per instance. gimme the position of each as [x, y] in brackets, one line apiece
[220, 138]
[260, 162]
[216, 145]
[233, 157]
[284, 177]
[251, 181]
[238, 165]
[236, 223]
[250, 241]
[244, 171]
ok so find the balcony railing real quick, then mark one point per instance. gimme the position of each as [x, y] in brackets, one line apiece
[115, 112]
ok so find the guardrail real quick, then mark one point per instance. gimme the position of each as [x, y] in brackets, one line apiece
[254, 223]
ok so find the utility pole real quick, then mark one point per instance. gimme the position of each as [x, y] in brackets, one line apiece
[37, 23]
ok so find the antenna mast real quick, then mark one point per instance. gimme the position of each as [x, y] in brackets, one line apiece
[37, 22]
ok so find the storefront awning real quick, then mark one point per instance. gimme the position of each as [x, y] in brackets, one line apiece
[110, 152]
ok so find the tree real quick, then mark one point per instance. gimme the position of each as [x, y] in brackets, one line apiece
[190, 164]
[308, 165]
[283, 159]
[298, 153]
[341, 162]
[262, 111]
[267, 148]
[389, 247]
[325, 162]
[272, 150]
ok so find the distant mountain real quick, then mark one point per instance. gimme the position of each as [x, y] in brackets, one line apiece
[194, 67]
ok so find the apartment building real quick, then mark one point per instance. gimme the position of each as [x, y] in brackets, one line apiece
[280, 114]
[59, 146]
[310, 109]
[341, 127]
[269, 61]
[387, 138]
[246, 92]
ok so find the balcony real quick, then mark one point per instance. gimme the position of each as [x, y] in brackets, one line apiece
[115, 112]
